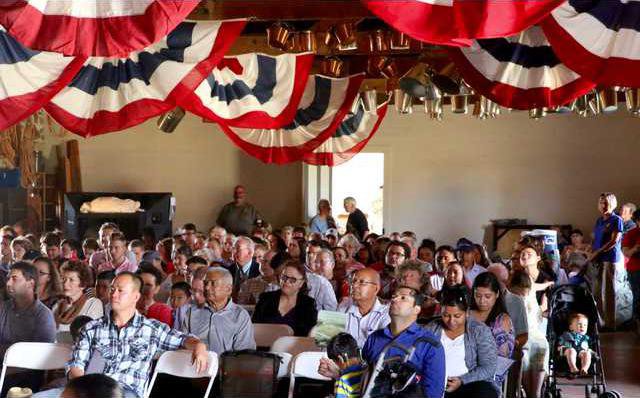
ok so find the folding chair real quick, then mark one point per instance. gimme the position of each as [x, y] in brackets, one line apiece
[35, 356]
[285, 358]
[294, 345]
[267, 333]
[178, 363]
[306, 365]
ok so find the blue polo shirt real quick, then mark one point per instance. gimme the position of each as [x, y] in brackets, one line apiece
[602, 232]
[428, 358]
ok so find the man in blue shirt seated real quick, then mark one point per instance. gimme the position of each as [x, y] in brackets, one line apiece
[428, 358]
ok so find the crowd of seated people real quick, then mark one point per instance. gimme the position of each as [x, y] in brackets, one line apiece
[205, 292]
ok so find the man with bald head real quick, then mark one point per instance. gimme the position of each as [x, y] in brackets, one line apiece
[365, 313]
[128, 341]
[220, 323]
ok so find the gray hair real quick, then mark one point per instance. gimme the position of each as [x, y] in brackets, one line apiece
[350, 239]
[245, 239]
[329, 252]
[631, 206]
[410, 241]
[350, 199]
[226, 275]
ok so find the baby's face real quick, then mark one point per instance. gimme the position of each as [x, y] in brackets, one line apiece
[579, 325]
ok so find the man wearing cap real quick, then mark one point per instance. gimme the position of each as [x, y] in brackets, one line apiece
[239, 217]
[468, 260]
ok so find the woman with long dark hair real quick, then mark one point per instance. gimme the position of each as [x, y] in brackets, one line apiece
[487, 306]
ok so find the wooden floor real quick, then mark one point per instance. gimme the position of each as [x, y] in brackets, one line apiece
[621, 356]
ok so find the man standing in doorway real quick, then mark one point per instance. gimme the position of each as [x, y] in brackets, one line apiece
[239, 217]
[357, 222]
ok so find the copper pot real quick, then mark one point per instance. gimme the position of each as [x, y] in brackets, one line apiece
[376, 64]
[345, 33]
[399, 41]
[277, 35]
[378, 41]
[332, 66]
[306, 41]
[390, 69]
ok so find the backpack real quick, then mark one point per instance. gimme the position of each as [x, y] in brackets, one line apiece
[248, 374]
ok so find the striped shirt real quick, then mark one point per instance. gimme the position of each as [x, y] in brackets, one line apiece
[127, 352]
[349, 385]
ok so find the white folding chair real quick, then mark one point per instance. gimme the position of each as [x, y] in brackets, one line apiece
[178, 363]
[285, 362]
[306, 365]
[35, 356]
[267, 333]
[294, 345]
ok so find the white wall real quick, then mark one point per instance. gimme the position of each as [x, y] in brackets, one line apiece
[197, 163]
[443, 179]
[448, 179]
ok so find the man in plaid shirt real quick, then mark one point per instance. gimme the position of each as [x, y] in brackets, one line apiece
[127, 341]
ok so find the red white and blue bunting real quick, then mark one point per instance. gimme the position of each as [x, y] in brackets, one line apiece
[252, 90]
[112, 94]
[324, 105]
[104, 28]
[599, 39]
[455, 22]
[353, 134]
[28, 79]
[519, 72]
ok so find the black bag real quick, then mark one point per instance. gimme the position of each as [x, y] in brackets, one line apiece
[248, 374]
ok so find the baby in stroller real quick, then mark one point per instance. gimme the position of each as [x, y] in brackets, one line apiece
[574, 344]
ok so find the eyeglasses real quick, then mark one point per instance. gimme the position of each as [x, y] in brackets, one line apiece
[356, 282]
[289, 279]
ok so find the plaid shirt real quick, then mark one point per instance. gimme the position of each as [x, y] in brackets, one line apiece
[127, 352]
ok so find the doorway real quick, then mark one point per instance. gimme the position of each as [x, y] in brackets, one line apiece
[362, 178]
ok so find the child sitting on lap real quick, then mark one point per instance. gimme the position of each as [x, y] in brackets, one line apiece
[574, 344]
[343, 350]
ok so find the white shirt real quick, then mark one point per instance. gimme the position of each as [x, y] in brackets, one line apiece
[454, 355]
[436, 282]
[321, 291]
[360, 327]
[470, 275]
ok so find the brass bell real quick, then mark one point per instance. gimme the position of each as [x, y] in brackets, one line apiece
[403, 102]
[537, 113]
[370, 100]
[608, 99]
[632, 98]
[399, 40]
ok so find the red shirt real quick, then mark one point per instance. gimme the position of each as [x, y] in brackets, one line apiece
[632, 238]
[160, 312]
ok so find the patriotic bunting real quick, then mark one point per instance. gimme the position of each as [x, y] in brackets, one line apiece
[252, 90]
[599, 39]
[455, 22]
[28, 79]
[324, 105]
[350, 138]
[101, 28]
[112, 94]
[520, 72]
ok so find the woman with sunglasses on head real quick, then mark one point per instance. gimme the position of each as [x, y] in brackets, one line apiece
[290, 305]
[470, 350]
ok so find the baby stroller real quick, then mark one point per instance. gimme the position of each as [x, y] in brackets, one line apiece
[563, 301]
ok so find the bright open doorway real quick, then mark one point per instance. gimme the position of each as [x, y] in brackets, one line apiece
[362, 178]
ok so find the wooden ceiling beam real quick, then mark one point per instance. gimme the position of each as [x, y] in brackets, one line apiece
[273, 10]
